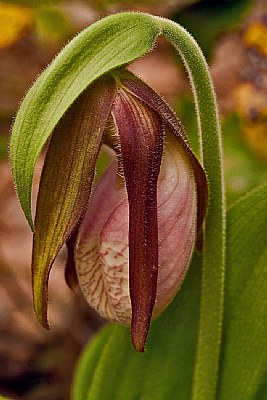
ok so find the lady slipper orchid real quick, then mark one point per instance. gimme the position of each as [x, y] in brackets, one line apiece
[133, 246]
[136, 239]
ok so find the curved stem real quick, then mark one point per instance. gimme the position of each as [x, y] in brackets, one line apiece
[212, 292]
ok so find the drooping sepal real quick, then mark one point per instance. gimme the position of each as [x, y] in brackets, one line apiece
[147, 95]
[140, 131]
[66, 181]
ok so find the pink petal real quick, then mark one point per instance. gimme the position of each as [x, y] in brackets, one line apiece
[102, 258]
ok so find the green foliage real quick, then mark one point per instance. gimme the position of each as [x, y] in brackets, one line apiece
[109, 368]
[164, 371]
[244, 363]
[182, 357]
[243, 170]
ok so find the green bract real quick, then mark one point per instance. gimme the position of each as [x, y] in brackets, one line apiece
[108, 44]
[100, 48]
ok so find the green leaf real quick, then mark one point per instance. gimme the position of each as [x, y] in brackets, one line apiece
[107, 44]
[244, 171]
[110, 368]
[87, 362]
[66, 181]
[244, 355]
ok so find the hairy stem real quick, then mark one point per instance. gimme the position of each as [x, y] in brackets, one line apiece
[212, 292]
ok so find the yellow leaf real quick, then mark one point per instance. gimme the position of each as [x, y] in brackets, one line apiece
[15, 22]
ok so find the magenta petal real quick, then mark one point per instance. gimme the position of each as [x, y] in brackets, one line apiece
[177, 217]
[141, 137]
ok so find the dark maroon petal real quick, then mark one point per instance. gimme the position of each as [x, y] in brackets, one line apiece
[66, 181]
[146, 94]
[140, 132]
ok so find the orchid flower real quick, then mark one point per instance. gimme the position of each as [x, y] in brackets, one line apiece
[85, 99]
[136, 239]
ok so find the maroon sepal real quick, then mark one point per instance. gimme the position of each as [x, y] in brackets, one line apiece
[140, 131]
[147, 95]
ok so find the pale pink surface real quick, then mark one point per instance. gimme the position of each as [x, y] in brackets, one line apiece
[102, 247]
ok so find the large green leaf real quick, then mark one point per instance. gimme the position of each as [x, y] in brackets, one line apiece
[111, 369]
[244, 355]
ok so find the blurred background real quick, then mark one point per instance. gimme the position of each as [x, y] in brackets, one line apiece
[36, 364]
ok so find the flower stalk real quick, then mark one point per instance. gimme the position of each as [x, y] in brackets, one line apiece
[213, 259]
